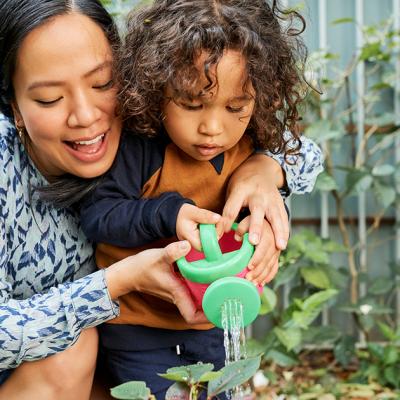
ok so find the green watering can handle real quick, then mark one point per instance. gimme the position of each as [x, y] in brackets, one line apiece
[216, 265]
[209, 242]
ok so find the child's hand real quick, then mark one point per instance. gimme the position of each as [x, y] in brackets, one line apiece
[189, 217]
[264, 263]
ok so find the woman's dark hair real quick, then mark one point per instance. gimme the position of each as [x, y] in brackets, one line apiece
[164, 40]
[17, 19]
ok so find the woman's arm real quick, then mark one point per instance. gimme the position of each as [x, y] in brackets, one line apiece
[258, 182]
[261, 184]
[48, 323]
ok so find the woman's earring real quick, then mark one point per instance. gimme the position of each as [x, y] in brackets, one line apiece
[21, 132]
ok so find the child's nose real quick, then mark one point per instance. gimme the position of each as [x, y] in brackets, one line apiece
[211, 126]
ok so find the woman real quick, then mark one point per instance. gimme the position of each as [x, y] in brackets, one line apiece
[56, 84]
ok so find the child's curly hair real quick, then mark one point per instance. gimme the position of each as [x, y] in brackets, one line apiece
[164, 40]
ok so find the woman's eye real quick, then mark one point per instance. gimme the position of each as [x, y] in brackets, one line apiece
[235, 109]
[107, 85]
[48, 102]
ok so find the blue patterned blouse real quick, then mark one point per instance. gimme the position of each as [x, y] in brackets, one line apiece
[49, 291]
[46, 294]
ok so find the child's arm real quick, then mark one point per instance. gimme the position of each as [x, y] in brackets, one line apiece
[115, 212]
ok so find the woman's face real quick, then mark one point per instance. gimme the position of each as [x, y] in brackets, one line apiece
[66, 99]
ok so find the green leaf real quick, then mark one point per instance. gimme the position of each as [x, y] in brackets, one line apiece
[321, 334]
[254, 348]
[392, 376]
[383, 170]
[303, 319]
[357, 180]
[371, 51]
[345, 350]
[385, 194]
[234, 374]
[342, 21]
[280, 358]
[285, 275]
[268, 301]
[333, 247]
[339, 278]
[380, 286]
[367, 322]
[290, 338]
[326, 183]
[189, 374]
[321, 131]
[387, 331]
[178, 391]
[316, 277]
[376, 350]
[134, 390]
[319, 298]
[391, 355]
[208, 376]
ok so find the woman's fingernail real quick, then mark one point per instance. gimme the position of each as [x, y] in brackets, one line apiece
[282, 243]
[216, 217]
[250, 266]
[249, 276]
[184, 245]
[263, 283]
[254, 238]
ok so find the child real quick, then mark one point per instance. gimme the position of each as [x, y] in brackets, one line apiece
[203, 84]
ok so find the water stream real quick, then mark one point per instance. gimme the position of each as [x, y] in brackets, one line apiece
[234, 339]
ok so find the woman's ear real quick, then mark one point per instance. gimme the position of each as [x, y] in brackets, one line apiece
[18, 120]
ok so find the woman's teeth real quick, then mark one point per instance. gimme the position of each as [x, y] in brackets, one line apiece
[93, 141]
[88, 146]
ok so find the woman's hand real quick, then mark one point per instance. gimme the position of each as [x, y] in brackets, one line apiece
[255, 185]
[151, 272]
[263, 265]
[188, 220]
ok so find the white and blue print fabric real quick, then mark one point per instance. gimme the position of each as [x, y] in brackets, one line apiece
[46, 294]
[302, 169]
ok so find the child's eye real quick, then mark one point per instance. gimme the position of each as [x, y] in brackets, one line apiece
[107, 85]
[47, 102]
[191, 107]
[235, 109]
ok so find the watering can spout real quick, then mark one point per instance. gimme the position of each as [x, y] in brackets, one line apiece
[217, 275]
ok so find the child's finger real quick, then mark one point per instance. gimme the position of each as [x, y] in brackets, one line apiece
[260, 271]
[203, 216]
[265, 272]
[272, 272]
[193, 237]
[241, 229]
[265, 250]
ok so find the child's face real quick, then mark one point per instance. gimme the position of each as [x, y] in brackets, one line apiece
[210, 124]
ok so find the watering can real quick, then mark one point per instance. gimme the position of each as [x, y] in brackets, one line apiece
[217, 274]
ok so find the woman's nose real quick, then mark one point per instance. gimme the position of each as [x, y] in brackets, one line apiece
[84, 111]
